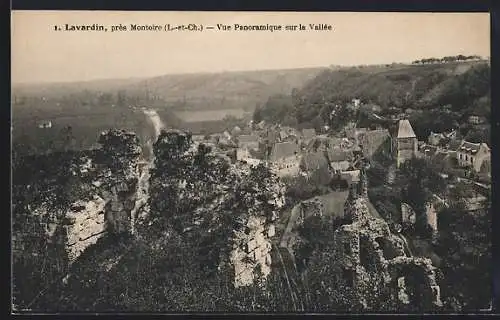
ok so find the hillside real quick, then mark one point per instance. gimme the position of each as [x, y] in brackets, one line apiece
[464, 86]
[93, 106]
[198, 90]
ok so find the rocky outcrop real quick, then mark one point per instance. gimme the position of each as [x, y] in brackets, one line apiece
[114, 175]
[84, 225]
[251, 254]
[120, 160]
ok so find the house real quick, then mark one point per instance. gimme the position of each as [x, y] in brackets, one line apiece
[339, 160]
[45, 124]
[322, 144]
[313, 161]
[474, 119]
[405, 142]
[374, 142]
[284, 158]
[308, 134]
[282, 151]
[435, 138]
[473, 155]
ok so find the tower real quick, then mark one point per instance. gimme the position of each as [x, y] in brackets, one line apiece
[406, 142]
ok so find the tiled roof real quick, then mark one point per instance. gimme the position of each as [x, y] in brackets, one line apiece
[313, 161]
[469, 147]
[283, 150]
[405, 130]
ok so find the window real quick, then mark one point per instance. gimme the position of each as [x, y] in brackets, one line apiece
[460, 156]
[466, 158]
[471, 159]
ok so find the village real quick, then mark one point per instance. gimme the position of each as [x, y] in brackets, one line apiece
[337, 162]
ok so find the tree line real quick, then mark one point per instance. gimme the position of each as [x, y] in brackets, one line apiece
[446, 59]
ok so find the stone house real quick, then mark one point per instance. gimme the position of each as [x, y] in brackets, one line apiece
[315, 165]
[472, 155]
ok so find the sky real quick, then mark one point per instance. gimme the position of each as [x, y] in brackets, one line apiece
[41, 54]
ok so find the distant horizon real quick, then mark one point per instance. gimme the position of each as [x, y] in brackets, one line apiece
[40, 54]
[409, 63]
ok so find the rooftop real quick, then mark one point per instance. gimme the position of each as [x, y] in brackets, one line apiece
[313, 161]
[405, 130]
[283, 150]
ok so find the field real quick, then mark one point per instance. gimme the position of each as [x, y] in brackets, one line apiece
[212, 115]
[86, 126]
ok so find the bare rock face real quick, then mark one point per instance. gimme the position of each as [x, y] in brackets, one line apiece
[251, 255]
[84, 225]
[252, 250]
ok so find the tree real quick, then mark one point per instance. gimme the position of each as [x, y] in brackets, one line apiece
[417, 181]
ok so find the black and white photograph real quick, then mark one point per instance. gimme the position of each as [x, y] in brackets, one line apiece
[250, 162]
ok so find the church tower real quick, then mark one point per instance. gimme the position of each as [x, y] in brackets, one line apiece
[406, 142]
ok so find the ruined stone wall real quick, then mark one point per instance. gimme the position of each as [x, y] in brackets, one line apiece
[373, 261]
